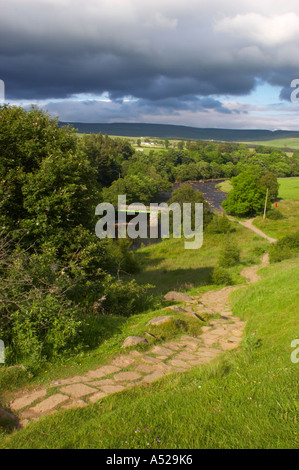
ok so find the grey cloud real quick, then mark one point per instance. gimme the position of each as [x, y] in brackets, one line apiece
[168, 54]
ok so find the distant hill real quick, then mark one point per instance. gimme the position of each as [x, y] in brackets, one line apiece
[167, 131]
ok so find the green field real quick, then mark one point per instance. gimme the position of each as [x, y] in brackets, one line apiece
[285, 143]
[289, 189]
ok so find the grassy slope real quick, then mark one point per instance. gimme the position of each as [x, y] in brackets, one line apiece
[246, 399]
[289, 188]
[243, 400]
[167, 266]
[288, 142]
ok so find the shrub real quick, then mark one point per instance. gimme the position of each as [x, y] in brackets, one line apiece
[221, 276]
[46, 329]
[275, 214]
[229, 255]
[123, 298]
[37, 320]
[285, 248]
[220, 224]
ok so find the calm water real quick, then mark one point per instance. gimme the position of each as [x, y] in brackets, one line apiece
[213, 196]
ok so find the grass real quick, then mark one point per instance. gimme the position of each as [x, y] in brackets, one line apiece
[225, 186]
[245, 399]
[289, 188]
[111, 332]
[280, 228]
[167, 266]
[170, 266]
[285, 143]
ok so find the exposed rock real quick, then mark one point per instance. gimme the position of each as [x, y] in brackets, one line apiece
[133, 341]
[177, 297]
[175, 308]
[8, 419]
[159, 320]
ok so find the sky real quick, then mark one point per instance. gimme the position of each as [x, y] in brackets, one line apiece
[200, 63]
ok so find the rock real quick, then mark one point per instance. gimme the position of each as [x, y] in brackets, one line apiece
[159, 320]
[177, 296]
[8, 419]
[133, 341]
[175, 308]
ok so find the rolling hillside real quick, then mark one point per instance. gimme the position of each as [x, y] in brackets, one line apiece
[181, 132]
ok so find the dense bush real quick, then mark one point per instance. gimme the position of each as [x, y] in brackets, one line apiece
[220, 276]
[230, 254]
[285, 248]
[275, 214]
[123, 298]
[37, 319]
[220, 224]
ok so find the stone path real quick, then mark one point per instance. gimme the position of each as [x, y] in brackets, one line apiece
[140, 368]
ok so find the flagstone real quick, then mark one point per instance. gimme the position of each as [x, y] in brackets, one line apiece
[191, 345]
[108, 389]
[74, 404]
[124, 360]
[161, 351]
[185, 356]
[102, 371]
[179, 363]
[173, 346]
[69, 381]
[78, 390]
[27, 400]
[130, 375]
[150, 359]
[97, 396]
[48, 404]
[146, 368]
[99, 383]
[154, 376]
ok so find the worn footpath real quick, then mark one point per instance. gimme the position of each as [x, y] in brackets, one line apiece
[136, 368]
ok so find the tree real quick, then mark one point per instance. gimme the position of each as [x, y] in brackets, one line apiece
[247, 198]
[185, 193]
[48, 187]
[136, 188]
[269, 180]
[106, 155]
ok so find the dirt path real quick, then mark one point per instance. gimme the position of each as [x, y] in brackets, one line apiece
[249, 224]
[141, 368]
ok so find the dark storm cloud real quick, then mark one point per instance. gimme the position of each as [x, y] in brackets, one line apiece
[167, 54]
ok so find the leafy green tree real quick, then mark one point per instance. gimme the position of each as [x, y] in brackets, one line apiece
[247, 198]
[106, 155]
[48, 187]
[136, 188]
[185, 193]
[270, 181]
